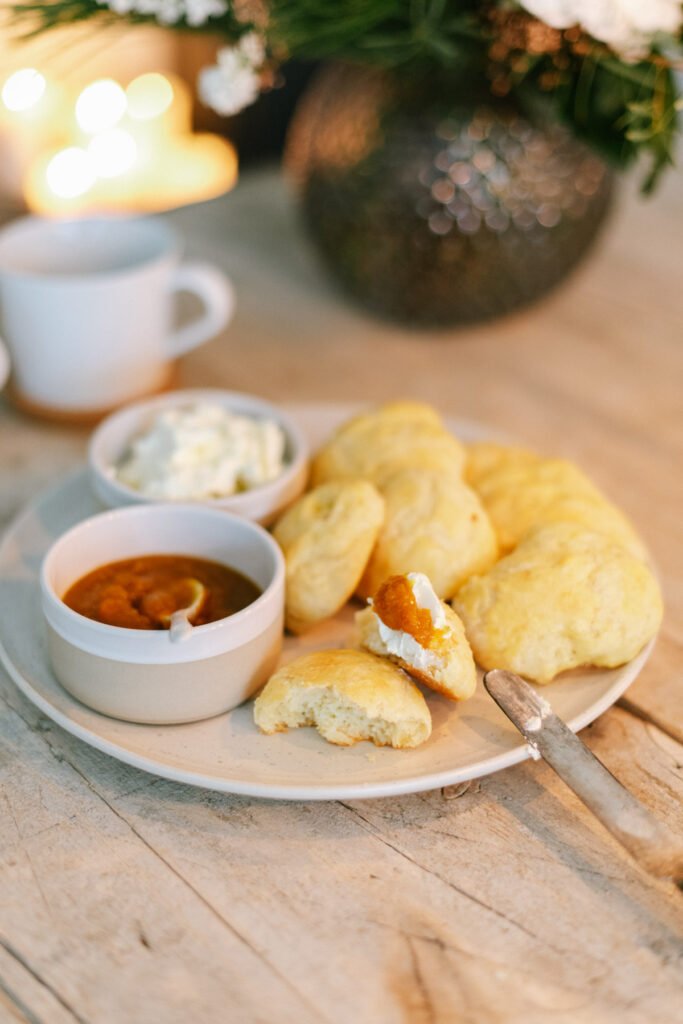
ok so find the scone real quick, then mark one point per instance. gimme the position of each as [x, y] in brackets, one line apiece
[326, 538]
[348, 696]
[435, 524]
[521, 490]
[408, 410]
[375, 444]
[407, 623]
[565, 597]
[486, 458]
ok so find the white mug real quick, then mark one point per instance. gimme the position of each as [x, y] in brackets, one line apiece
[87, 309]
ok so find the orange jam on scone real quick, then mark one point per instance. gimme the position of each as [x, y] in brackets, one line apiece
[397, 607]
[407, 623]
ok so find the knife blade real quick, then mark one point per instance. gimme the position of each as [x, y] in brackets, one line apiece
[648, 840]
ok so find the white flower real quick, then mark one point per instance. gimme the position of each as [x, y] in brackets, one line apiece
[252, 46]
[118, 6]
[169, 12]
[199, 11]
[627, 26]
[228, 90]
[233, 83]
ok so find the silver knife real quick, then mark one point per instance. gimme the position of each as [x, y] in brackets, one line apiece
[645, 838]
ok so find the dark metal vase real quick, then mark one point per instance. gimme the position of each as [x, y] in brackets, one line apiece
[439, 206]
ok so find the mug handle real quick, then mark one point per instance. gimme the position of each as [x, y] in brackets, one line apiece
[4, 364]
[213, 288]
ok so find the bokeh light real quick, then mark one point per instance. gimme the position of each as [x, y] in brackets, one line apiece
[23, 89]
[103, 148]
[149, 96]
[70, 173]
[113, 152]
[100, 106]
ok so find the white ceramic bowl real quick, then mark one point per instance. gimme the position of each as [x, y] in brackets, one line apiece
[262, 504]
[144, 675]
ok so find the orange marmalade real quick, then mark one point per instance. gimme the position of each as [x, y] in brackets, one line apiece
[142, 592]
[395, 604]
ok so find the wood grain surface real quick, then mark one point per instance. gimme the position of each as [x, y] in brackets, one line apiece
[125, 898]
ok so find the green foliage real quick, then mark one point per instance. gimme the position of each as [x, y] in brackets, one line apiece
[390, 33]
[622, 109]
[31, 19]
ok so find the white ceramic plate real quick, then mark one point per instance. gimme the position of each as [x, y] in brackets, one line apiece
[228, 753]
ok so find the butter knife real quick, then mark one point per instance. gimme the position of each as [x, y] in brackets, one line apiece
[647, 840]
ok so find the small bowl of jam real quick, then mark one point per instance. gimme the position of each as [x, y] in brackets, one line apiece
[163, 613]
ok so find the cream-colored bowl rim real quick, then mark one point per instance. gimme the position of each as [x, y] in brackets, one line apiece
[152, 646]
[236, 401]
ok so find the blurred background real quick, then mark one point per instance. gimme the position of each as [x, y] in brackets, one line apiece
[432, 200]
[109, 119]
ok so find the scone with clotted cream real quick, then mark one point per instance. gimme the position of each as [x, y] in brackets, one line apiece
[407, 623]
[435, 524]
[376, 443]
[521, 490]
[326, 538]
[348, 696]
[566, 597]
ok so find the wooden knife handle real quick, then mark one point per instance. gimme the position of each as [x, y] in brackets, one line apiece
[648, 840]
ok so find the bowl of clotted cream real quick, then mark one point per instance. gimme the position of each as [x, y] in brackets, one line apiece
[219, 448]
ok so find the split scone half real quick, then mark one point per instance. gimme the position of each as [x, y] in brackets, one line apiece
[521, 490]
[407, 623]
[376, 443]
[326, 538]
[435, 524]
[348, 696]
[566, 597]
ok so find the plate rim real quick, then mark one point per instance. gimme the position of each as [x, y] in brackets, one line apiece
[266, 790]
[367, 790]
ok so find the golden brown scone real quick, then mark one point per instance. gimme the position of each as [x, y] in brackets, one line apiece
[521, 490]
[326, 538]
[434, 524]
[348, 696]
[408, 409]
[565, 597]
[376, 443]
[485, 458]
[408, 624]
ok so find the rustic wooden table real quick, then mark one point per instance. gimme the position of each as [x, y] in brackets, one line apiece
[126, 898]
